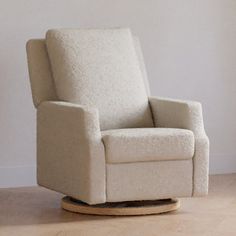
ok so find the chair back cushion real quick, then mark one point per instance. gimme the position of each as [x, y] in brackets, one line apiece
[41, 80]
[99, 68]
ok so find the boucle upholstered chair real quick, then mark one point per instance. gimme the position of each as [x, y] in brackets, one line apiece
[100, 136]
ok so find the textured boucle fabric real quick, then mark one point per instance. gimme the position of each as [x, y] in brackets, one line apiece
[142, 66]
[42, 84]
[70, 153]
[71, 156]
[41, 80]
[99, 68]
[149, 180]
[147, 144]
[187, 115]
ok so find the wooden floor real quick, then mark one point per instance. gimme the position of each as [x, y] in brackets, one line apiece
[36, 211]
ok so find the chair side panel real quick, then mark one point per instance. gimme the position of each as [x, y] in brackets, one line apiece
[139, 53]
[41, 80]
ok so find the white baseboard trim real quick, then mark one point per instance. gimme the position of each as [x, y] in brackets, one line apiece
[17, 176]
[222, 163]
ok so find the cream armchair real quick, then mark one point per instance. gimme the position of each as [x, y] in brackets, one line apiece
[100, 136]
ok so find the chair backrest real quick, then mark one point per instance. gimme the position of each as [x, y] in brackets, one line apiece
[43, 82]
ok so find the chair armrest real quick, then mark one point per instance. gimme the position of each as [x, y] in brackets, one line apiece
[173, 113]
[70, 152]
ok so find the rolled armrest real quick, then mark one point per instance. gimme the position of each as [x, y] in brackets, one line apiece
[173, 113]
[70, 152]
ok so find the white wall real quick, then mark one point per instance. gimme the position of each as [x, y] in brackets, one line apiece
[189, 48]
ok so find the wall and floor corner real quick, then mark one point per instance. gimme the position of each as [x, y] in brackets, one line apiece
[187, 44]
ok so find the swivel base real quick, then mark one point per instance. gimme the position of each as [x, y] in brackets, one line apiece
[121, 208]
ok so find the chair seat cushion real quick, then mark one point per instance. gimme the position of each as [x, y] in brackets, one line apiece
[147, 144]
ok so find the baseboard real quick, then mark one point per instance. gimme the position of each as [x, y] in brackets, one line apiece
[222, 163]
[17, 176]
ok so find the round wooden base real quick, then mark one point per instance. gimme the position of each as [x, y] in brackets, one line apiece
[121, 208]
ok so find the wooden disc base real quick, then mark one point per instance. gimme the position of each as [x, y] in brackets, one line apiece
[121, 208]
